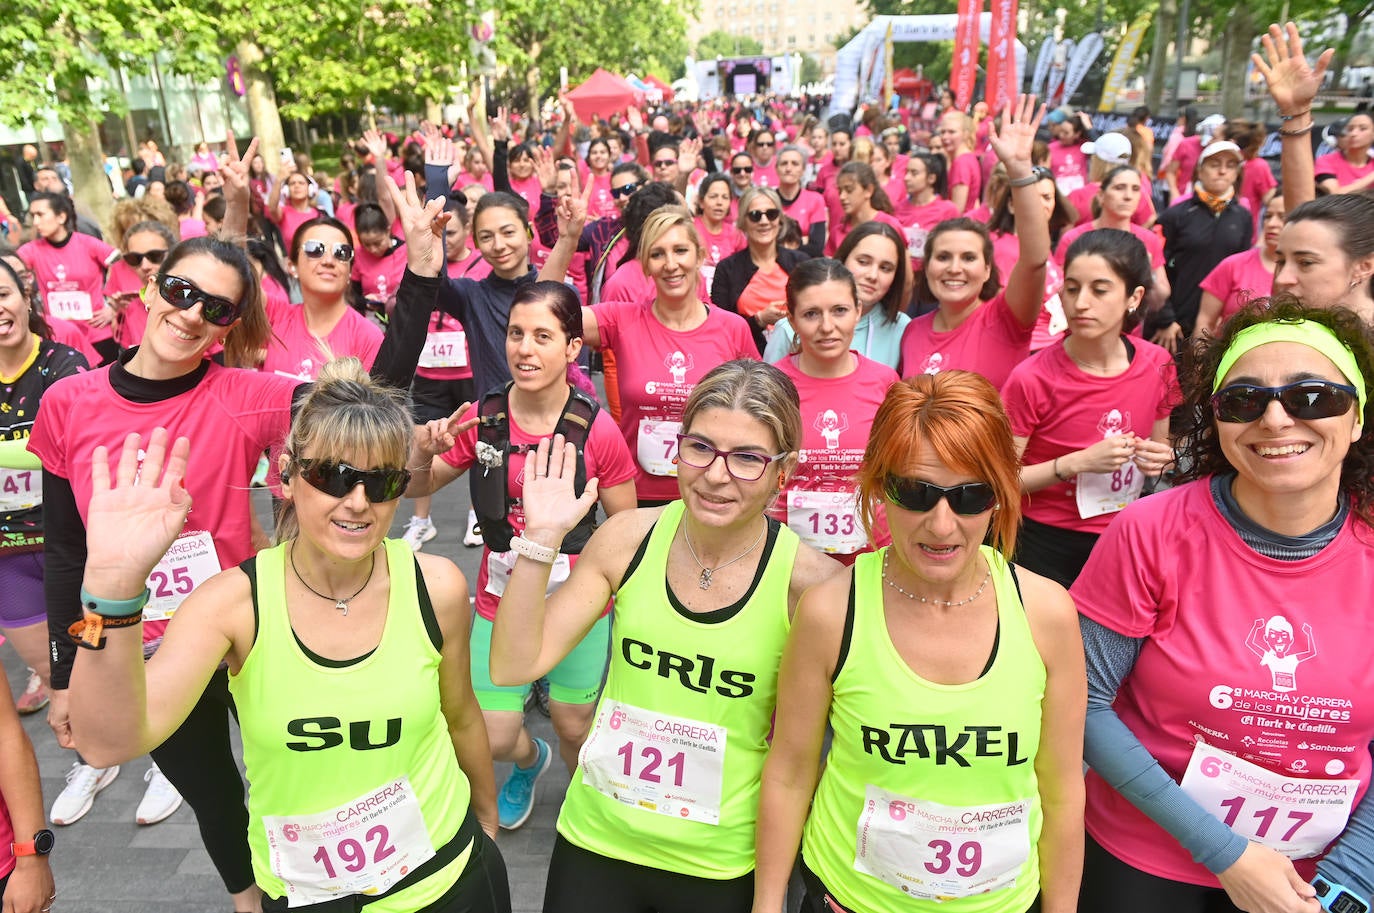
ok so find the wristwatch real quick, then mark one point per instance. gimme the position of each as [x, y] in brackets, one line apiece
[1338, 898]
[533, 550]
[40, 845]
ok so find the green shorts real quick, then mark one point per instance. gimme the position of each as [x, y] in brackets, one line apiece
[575, 680]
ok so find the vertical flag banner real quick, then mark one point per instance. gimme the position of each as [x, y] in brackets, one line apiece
[1042, 66]
[1002, 84]
[1053, 97]
[1122, 63]
[1079, 61]
[965, 70]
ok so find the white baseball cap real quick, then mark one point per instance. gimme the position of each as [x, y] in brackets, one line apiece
[1112, 148]
[1218, 147]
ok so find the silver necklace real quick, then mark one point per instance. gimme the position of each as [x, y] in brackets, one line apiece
[940, 602]
[704, 581]
[340, 604]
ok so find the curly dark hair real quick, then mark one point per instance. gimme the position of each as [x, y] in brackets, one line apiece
[1198, 449]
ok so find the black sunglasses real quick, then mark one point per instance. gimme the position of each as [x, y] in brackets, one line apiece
[155, 257]
[763, 215]
[183, 294]
[338, 479]
[1305, 399]
[969, 499]
[762, 143]
[624, 190]
[664, 163]
[340, 251]
[743, 169]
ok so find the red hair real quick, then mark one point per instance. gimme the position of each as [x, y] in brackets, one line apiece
[959, 416]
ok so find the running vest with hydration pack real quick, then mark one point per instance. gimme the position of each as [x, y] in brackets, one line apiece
[487, 480]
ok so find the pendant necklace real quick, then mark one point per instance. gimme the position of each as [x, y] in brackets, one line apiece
[704, 581]
[940, 602]
[340, 604]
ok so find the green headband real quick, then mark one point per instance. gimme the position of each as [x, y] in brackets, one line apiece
[1305, 332]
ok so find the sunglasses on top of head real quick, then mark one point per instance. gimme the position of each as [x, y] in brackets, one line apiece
[339, 250]
[183, 294]
[1304, 399]
[968, 500]
[338, 479]
[763, 215]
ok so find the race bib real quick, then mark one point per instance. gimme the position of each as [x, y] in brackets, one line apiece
[70, 305]
[827, 520]
[445, 350]
[1107, 492]
[190, 561]
[916, 242]
[708, 273]
[1055, 308]
[657, 445]
[657, 763]
[361, 847]
[1298, 818]
[20, 489]
[500, 565]
[1069, 183]
[936, 851]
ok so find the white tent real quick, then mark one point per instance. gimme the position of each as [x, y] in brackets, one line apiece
[860, 64]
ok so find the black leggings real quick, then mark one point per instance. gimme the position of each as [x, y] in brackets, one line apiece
[816, 894]
[581, 881]
[199, 762]
[1052, 551]
[1112, 886]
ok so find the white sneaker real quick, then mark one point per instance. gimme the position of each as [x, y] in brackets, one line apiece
[160, 800]
[83, 782]
[419, 531]
[473, 537]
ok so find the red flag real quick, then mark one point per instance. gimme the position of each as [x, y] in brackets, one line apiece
[1001, 85]
[965, 70]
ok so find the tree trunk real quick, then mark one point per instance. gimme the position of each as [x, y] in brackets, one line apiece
[434, 112]
[532, 83]
[262, 104]
[86, 159]
[1159, 54]
[1240, 35]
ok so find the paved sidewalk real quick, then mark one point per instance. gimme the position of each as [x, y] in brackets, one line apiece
[105, 863]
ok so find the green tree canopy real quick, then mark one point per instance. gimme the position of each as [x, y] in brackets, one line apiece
[723, 44]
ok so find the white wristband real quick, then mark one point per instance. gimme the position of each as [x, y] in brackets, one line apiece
[533, 550]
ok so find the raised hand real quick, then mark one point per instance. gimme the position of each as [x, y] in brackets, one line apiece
[688, 151]
[235, 171]
[634, 118]
[572, 216]
[423, 225]
[429, 133]
[499, 126]
[546, 168]
[439, 436]
[1015, 140]
[1293, 83]
[551, 507]
[136, 515]
[375, 144]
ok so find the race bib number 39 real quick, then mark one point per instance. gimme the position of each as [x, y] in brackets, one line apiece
[362, 847]
[190, 561]
[936, 851]
[1298, 818]
[656, 763]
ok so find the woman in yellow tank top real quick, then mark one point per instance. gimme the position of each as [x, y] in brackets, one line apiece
[954, 687]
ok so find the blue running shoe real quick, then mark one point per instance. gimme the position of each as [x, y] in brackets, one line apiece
[516, 800]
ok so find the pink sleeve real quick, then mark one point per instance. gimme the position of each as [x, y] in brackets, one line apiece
[1020, 399]
[1220, 281]
[963, 171]
[611, 458]
[607, 315]
[47, 440]
[1173, 396]
[1119, 586]
[100, 250]
[463, 453]
[1155, 246]
[369, 344]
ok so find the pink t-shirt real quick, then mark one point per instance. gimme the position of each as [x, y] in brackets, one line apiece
[965, 170]
[1154, 244]
[71, 279]
[1187, 154]
[718, 246]
[601, 204]
[1070, 166]
[290, 218]
[837, 414]
[1049, 325]
[806, 210]
[608, 461]
[1082, 202]
[656, 370]
[7, 859]
[1237, 279]
[1346, 173]
[380, 276]
[918, 220]
[231, 417]
[990, 341]
[192, 228]
[1252, 656]
[1256, 180]
[838, 230]
[69, 334]
[133, 318]
[528, 190]
[295, 352]
[1060, 408]
[766, 175]
[343, 211]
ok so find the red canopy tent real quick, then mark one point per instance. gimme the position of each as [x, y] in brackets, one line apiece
[659, 84]
[602, 95]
